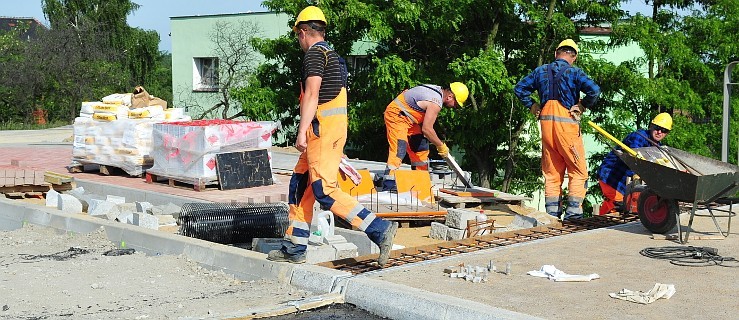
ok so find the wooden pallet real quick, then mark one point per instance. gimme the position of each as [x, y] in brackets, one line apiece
[107, 169]
[197, 183]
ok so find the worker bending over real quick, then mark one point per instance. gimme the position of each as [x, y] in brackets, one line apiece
[409, 120]
[559, 85]
[321, 138]
[613, 171]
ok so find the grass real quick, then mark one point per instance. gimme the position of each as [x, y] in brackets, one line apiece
[29, 126]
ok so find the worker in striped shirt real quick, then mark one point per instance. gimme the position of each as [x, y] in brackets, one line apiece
[321, 138]
[559, 85]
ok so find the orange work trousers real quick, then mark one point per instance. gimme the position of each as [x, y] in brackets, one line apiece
[562, 150]
[611, 196]
[404, 137]
[315, 179]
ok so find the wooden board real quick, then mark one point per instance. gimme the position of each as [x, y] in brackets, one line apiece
[472, 192]
[243, 169]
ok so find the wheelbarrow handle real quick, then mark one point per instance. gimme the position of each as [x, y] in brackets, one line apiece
[618, 142]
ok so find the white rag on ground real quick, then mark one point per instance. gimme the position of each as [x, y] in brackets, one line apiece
[552, 273]
[659, 291]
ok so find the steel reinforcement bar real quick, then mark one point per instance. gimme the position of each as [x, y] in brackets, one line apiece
[368, 263]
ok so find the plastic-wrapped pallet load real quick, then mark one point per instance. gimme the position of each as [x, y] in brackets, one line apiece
[188, 149]
[104, 134]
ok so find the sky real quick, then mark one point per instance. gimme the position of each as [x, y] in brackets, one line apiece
[152, 15]
[155, 14]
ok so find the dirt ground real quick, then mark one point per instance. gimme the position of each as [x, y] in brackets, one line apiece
[46, 275]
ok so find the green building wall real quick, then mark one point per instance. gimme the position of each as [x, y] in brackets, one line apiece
[191, 38]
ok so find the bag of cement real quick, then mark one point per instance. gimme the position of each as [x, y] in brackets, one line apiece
[118, 98]
[88, 107]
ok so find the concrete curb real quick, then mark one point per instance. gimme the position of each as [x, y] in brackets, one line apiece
[319, 279]
[244, 264]
[401, 302]
[134, 195]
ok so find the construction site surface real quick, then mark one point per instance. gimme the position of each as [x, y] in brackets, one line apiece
[53, 264]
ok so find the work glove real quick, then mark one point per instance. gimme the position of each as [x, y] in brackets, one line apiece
[443, 150]
[576, 112]
[535, 109]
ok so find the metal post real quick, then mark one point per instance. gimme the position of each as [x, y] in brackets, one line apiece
[727, 113]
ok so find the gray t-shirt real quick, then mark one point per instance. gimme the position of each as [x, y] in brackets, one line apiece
[424, 92]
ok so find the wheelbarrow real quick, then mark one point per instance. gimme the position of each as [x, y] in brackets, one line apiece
[672, 176]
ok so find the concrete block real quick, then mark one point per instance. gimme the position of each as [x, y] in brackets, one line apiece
[143, 206]
[116, 199]
[265, 245]
[166, 220]
[52, 198]
[318, 279]
[69, 204]
[84, 198]
[126, 207]
[438, 231]
[457, 218]
[38, 178]
[345, 250]
[167, 209]
[455, 234]
[335, 239]
[28, 177]
[125, 217]
[522, 222]
[145, 220]
[360, 239]
[103, 209]
[318, 254]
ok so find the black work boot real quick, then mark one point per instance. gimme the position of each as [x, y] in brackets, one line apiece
[386, 245]
[280, 256]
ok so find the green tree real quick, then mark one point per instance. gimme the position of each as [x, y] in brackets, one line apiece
[439, 42]
[682, 70]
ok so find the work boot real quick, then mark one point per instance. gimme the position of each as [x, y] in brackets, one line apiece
[386, 245]
[280, 256]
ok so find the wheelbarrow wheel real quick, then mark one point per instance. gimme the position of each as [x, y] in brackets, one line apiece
[657, 214]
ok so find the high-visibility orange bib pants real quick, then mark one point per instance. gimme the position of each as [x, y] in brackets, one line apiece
[562, 149]
[314, 179]
[404, 137]
[611, 196]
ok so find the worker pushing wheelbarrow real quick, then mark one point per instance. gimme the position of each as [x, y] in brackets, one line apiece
[672, 176]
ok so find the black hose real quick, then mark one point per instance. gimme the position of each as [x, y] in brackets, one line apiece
[690, 256]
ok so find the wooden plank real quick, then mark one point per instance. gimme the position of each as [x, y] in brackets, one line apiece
[57, 178]
[197, 184]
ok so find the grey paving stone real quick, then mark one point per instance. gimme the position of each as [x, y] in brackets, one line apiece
[457, 218]
[69, 204]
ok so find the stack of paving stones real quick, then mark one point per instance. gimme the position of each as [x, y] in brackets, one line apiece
[110, 207]
[11, 176]
[455, 226]
[332, 248]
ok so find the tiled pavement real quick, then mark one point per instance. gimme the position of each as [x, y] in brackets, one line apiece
[55, 158]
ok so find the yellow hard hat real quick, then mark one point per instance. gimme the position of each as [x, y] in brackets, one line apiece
[569, 43]
[460, 92]
[663, 120]
[311, 13]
